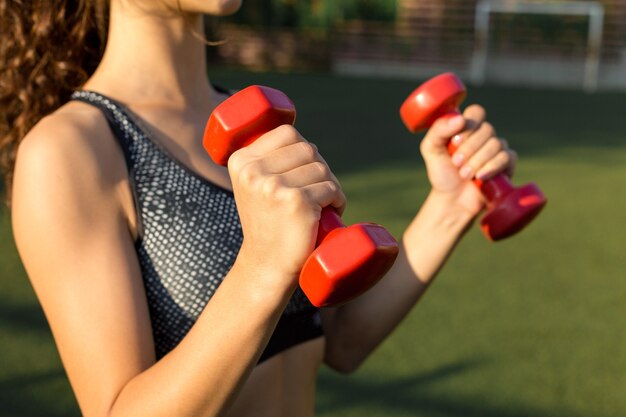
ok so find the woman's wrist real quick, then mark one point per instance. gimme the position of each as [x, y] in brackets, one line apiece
[433, 234]
[442, 211]
[262, 278]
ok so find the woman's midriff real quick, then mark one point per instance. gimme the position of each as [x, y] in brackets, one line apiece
[282, 386]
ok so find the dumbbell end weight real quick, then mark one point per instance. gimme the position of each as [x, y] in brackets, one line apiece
[426, 103]
[243, 118]
[350, 261]
[510, 214]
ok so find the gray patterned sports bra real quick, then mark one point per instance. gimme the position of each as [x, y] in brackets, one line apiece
[190, 235]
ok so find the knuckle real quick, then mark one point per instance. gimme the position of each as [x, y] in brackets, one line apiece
[332, 187]
[439, 124]
[495, 144]
[504, 156]
[475, 112]
[288, 132]
[293, 197]
[248, 173]
[272, 186]
[488, 129]
[307, 149]
[236, 161]
[322, 168]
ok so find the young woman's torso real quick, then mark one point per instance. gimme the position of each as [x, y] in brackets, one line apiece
[283, 385]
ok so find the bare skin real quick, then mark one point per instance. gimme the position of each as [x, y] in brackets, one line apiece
[75, 226]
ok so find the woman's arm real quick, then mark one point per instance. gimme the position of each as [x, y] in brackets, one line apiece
[357, 328]
[73, 236]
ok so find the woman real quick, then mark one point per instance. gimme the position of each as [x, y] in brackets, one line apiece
[162, 297]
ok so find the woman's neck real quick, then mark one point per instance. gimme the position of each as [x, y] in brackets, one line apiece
[152, 58]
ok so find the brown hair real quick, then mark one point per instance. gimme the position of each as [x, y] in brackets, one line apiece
[48, 48]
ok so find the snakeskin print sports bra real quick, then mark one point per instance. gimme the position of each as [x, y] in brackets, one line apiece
[189, 237]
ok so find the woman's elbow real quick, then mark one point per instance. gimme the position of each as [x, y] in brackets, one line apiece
[344, 361]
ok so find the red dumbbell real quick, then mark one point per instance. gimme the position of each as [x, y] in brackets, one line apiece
[509, 209]
[347, 260]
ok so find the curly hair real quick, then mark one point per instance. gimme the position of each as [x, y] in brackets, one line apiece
[48, 48]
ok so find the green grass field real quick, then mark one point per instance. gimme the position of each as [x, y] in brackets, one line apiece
[531, 326]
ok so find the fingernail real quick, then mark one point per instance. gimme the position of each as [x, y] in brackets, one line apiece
[456, 140]
[457, 159]
[466, 171]
[455, 120]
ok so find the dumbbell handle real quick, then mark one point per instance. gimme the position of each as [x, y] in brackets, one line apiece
[329, 221]
[493, 188]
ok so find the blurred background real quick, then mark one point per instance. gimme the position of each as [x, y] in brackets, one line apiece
[532, 326]
[540, 43]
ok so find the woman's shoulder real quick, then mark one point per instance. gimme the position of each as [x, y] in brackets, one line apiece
[73, 128]
[69, 153]
[75, 137]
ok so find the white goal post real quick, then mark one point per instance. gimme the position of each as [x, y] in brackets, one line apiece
[485, 8]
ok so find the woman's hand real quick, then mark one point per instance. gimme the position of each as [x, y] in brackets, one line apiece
[281, 183]
[479, 154]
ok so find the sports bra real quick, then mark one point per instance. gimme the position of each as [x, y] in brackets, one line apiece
[189, 237]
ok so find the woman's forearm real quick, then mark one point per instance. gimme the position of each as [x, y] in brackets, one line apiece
[356, 329]
[203, 374]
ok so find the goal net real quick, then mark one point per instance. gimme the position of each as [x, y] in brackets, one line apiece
[510, 41]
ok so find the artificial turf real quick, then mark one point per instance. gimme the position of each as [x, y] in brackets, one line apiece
[531, 326]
